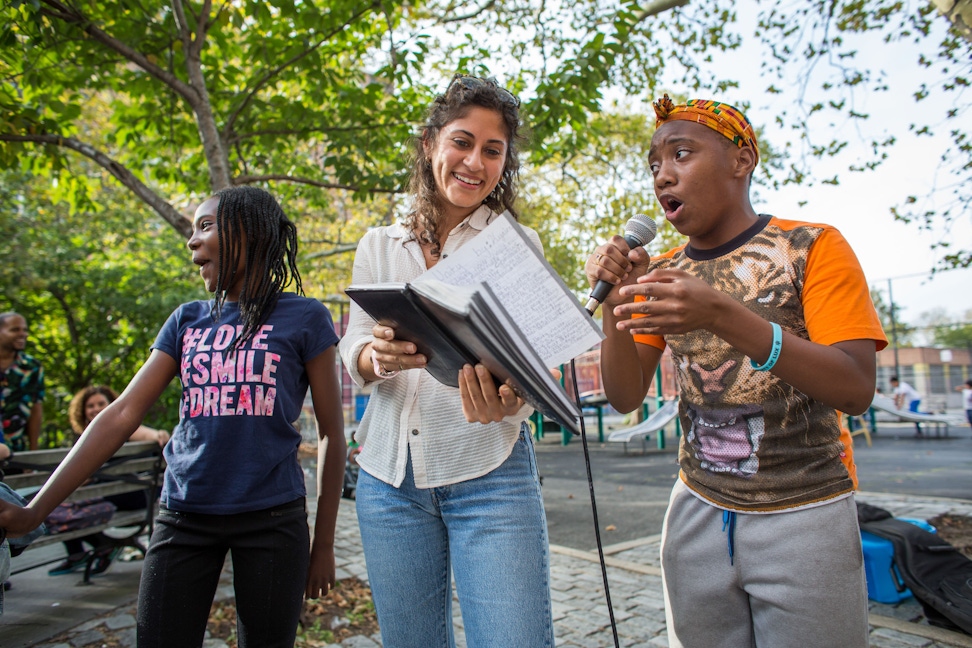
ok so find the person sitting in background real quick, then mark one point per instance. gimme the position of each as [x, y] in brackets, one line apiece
[21, 386]
[905, 393]
[966, 390]
[86, 405]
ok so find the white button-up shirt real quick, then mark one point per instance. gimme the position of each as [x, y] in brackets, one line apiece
[412, 411]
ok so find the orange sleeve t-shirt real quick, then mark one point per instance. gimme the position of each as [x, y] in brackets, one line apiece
[753, 442]
[836, 299]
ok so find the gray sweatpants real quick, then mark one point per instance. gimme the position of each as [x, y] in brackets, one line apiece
[796, 578]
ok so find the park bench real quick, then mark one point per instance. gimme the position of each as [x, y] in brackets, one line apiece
[136, 467]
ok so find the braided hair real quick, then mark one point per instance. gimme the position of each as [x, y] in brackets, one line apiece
[251, 217]
[463, 94]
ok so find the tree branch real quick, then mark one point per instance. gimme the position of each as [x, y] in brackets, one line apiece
[235, 113]
[72, 16]
[194, 92]
[121, 173]
[282, 177]
[72, 324]
[657, 7]
[959, 13]
[344, 248]
[215, 150]
[472, 14]
[242, 137]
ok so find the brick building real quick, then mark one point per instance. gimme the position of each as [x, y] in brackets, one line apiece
[933, 372]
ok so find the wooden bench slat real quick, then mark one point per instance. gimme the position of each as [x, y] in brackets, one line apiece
[39, 477]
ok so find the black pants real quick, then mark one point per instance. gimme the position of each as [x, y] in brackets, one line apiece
[271, 553]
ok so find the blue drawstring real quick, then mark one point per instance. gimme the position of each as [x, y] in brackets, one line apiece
[729, 520]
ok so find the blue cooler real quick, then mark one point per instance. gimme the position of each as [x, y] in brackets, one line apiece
[884, 583]
[360, 403]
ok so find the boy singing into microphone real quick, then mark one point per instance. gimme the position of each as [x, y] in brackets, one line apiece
[772, 329]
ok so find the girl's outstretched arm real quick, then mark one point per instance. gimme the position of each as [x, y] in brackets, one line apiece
[331, 456]
[101, 439]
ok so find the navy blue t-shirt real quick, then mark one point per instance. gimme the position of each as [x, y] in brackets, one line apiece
[235, 447]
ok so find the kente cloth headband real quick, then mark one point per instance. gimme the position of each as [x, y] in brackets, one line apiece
[720, 117]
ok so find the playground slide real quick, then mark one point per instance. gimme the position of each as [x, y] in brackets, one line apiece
[886, 404]
[657, 421]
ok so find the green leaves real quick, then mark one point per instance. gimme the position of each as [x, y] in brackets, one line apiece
[318, 99]
[95, 285]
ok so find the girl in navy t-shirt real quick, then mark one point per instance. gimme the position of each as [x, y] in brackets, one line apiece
[233, 482]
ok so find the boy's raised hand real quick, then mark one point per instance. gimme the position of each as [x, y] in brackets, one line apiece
[676, 302]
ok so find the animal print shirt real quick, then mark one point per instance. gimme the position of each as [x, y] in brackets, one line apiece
[752, 442]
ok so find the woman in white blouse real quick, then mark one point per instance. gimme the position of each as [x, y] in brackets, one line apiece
[448, 476]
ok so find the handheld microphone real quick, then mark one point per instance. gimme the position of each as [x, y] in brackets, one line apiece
[638, 232]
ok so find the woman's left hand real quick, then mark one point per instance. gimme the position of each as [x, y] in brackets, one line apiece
[482, 401]
[393, 354]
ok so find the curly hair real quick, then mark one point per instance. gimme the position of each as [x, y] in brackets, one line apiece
[463, 94]
[76, 409]
[252, 216]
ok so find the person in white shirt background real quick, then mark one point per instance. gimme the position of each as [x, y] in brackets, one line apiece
[905, 394]
[966, 390]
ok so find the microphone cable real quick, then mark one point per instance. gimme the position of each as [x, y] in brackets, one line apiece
[590, 484]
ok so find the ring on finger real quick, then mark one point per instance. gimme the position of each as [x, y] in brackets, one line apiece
[400, 367]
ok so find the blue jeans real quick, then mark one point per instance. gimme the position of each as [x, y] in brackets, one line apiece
[271, 554]
[491, 531]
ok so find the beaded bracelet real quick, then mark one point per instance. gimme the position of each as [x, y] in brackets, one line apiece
[774, 350]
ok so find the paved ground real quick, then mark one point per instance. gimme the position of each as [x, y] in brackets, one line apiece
[632, 489]
[913, 478]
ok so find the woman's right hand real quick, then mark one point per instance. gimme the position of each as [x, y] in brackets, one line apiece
[393, 355]
[482, 400]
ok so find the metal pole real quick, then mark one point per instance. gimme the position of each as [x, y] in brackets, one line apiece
[894, 331]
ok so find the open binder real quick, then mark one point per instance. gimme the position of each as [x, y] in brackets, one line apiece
[497, 301]
[457, 325]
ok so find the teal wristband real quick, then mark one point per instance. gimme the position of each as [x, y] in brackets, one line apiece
[774, 351]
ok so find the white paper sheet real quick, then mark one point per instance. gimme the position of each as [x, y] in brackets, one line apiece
[529, 288]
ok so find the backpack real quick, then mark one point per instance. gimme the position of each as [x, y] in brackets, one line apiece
[938, 574]
[79, 515]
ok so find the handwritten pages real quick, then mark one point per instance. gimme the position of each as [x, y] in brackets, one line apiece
[531, 291]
